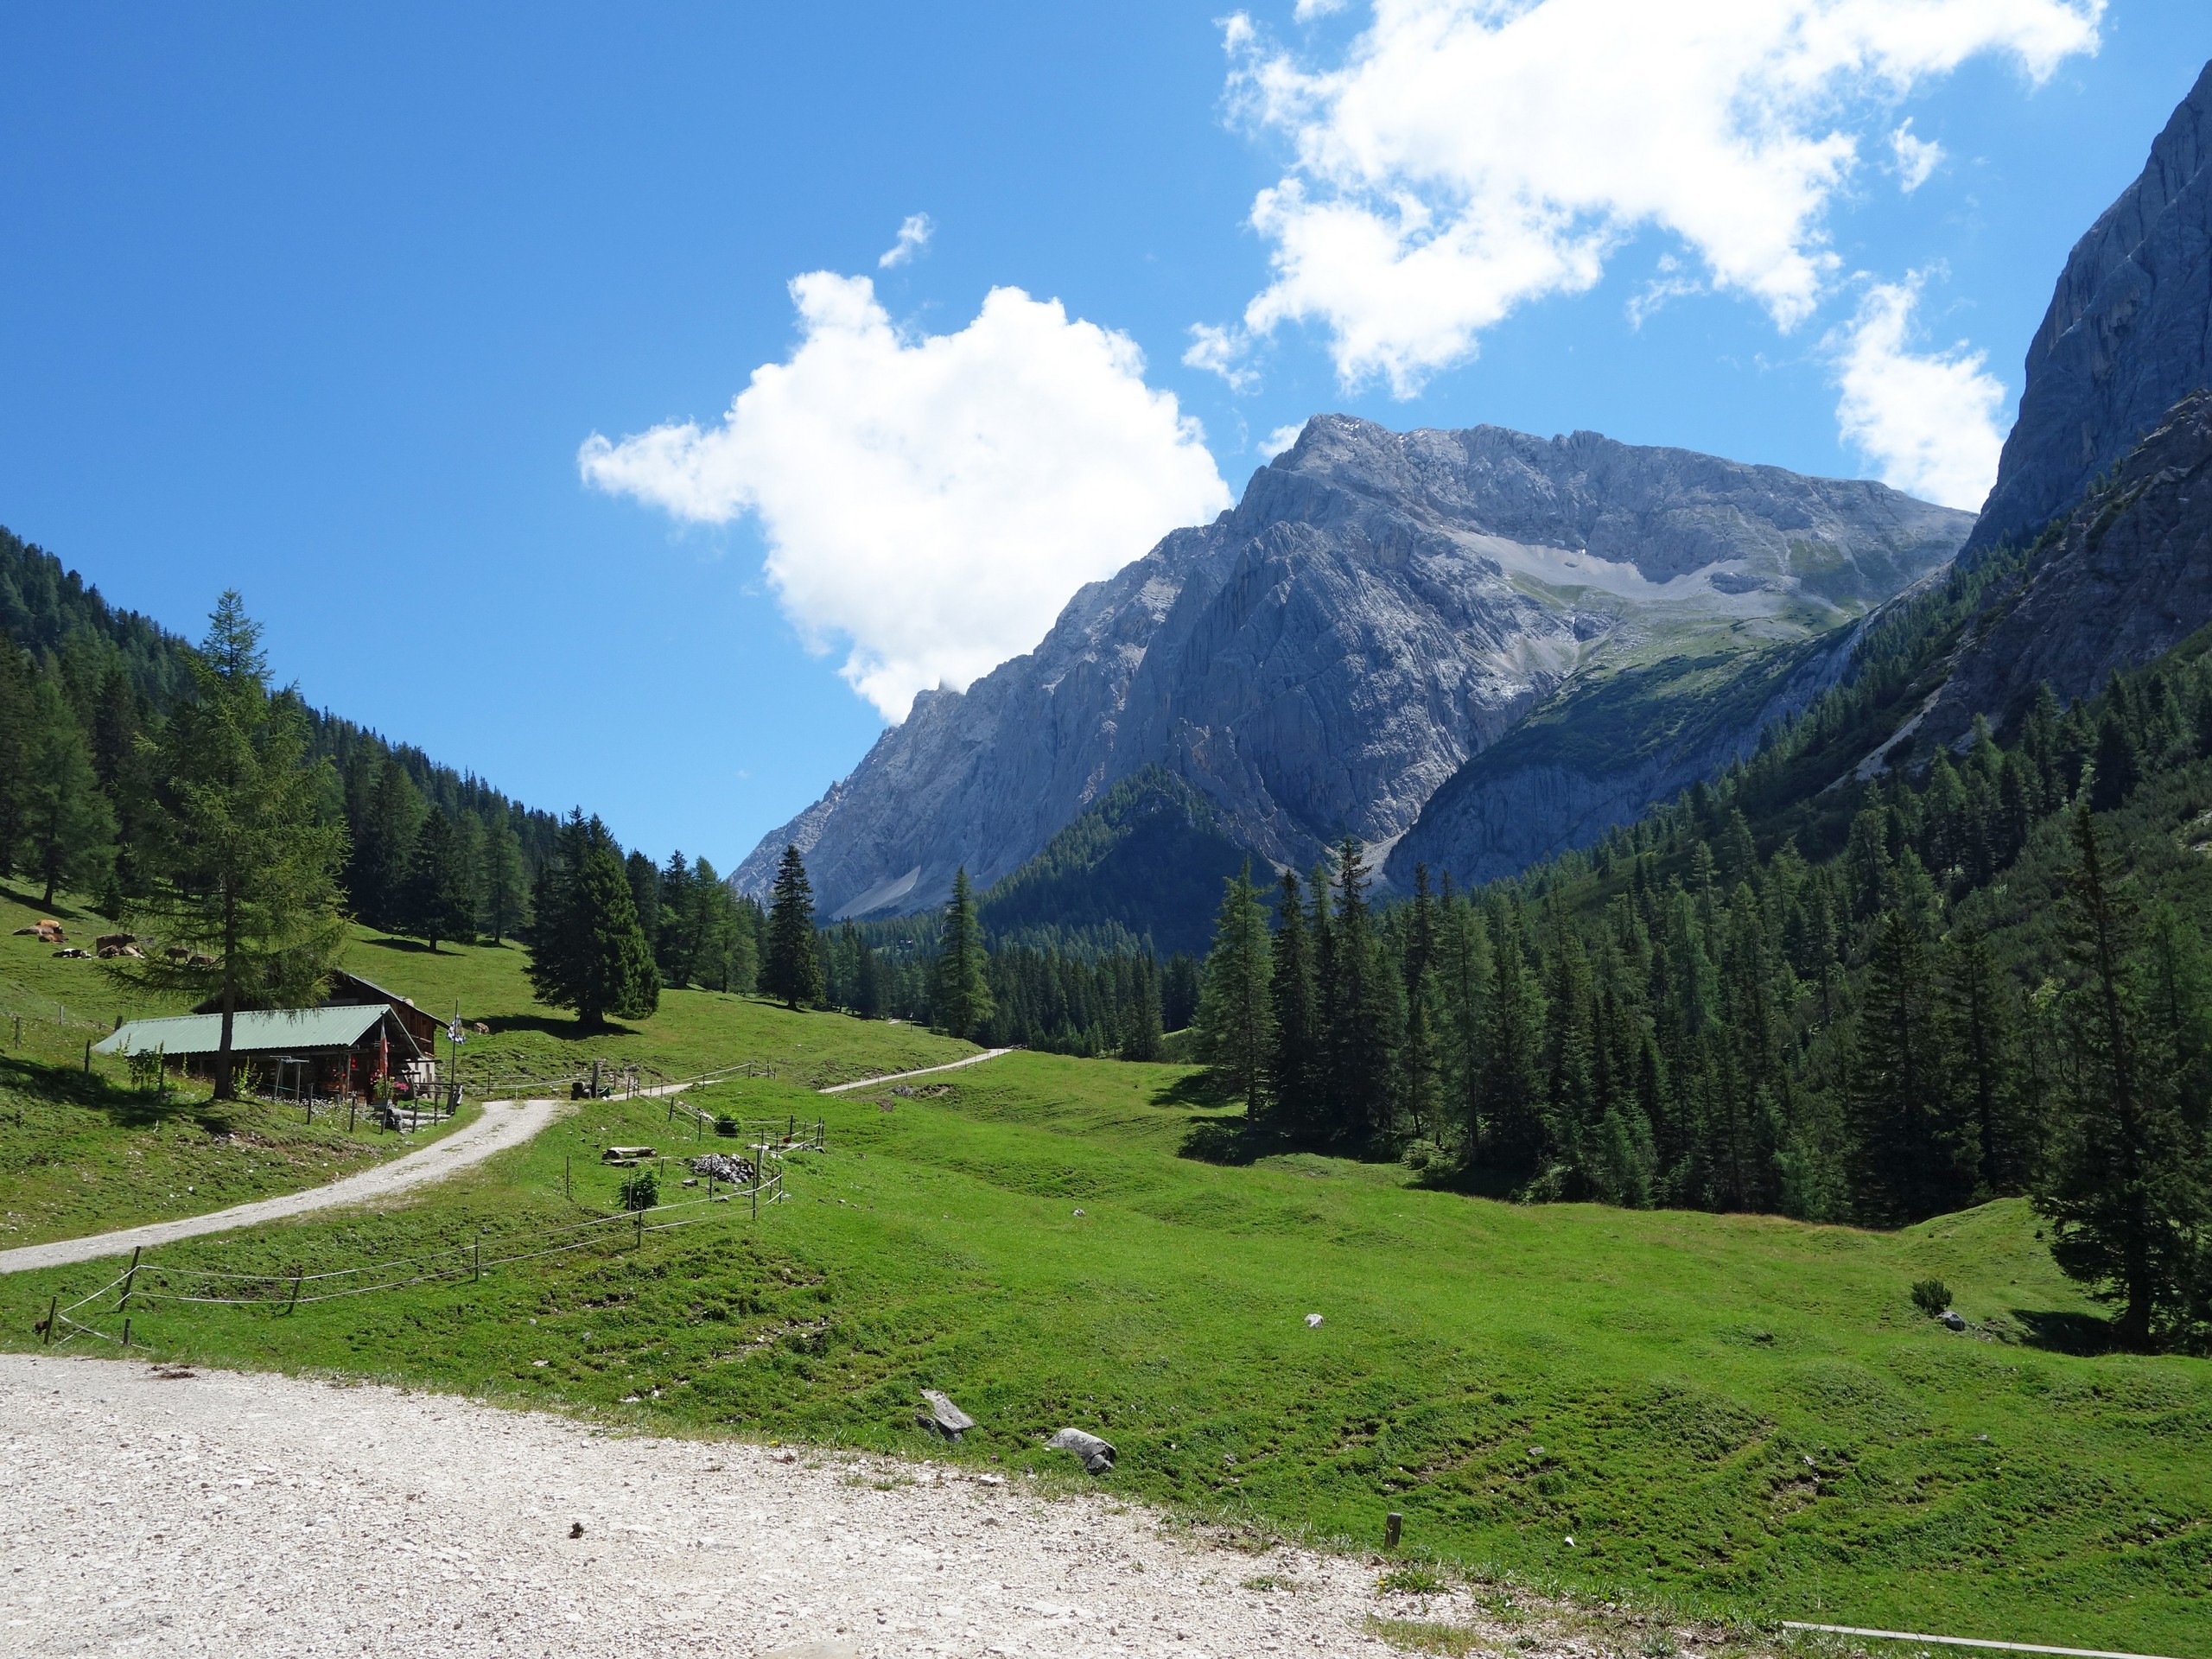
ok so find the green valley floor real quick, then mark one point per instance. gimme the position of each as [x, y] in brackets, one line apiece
[1732, 1415]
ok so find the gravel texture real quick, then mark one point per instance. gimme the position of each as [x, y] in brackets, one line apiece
[235, 1515]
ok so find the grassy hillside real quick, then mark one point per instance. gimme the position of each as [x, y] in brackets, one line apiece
[1730, 1412]
[81, 1151]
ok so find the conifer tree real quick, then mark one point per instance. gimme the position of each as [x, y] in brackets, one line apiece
[1981, 1049]
[1292, 1060]
[1236, 1033]
[645, 898]
[437, 902]
[68, 827]
[792, 971]
[587, 952]
[1140, 1013]
[960, 995]
[1357, 1007]
[243, 865]
[1510, 1130]
[1419, 1058]
[16, 728]
[506, 889]
[2126, 1188]
[1918, 1160]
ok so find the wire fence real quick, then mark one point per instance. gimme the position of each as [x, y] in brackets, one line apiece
[145, 1284]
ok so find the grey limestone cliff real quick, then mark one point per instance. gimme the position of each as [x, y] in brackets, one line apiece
[2128, 576]
[1378, 607]
[2128, 333]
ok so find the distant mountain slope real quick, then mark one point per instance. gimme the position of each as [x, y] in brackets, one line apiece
[2127, 336]
[1146, 862]
[1606, 746]
[50, 610]
[1319, 661]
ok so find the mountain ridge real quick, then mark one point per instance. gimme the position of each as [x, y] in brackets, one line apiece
[1377, 608]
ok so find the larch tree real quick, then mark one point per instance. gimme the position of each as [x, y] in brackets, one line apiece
[243, 865]
[792, 971]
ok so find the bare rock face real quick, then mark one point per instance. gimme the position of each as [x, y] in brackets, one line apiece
[2128, 333]
[1379, 607]
[2128, 577]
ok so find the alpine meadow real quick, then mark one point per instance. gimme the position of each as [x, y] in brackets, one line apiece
[1492, 1044]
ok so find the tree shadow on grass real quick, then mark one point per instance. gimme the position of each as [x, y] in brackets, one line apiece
[129, 1109]
[413, 947]
[62, 910]
[2083, 1334]
[568, 1030]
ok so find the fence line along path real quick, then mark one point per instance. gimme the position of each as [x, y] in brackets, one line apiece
[502, 1124]
[900, 1077]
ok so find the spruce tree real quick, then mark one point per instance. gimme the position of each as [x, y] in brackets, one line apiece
[1918, 1158]
[587, 952]
[961, 997]
[1358, 1006]
[1511, 1099]
[243, 865]
[1140, 1013]
[1235, 1021]
[792, 971]
[505, 890]
[1292, 1060]
[437, 903]
[68, 827]
[1419, 1058]
[17, 725]
[2126, 1186]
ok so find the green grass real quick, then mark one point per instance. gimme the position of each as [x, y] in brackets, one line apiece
[81, 1151]
[1737, 1416]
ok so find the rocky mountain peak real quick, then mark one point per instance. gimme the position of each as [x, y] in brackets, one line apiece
[1378, 607]
[2128, 333]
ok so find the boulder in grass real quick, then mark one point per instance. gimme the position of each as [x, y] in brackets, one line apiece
[939, 1414]
[1097, 1454]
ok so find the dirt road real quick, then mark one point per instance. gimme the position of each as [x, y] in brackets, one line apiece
[501, 1124]
[252, 1515]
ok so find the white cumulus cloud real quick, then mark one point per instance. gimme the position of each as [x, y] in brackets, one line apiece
[914, 234]
[1916, 157]
[933, 500]
[1927, 422]
[1467, 156]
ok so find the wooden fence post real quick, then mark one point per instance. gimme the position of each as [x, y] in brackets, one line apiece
[52, 1304]
[122, 1302]
[295, 1302]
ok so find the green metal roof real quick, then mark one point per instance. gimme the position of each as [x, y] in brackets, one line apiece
[274, 1031]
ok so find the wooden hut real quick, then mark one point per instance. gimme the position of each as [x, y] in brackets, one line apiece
[331, 1053]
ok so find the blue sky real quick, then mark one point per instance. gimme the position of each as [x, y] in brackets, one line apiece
[324, 304]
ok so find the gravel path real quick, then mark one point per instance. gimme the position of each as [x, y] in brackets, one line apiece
[502, 1124]
[900, 1077]
[247, 1515]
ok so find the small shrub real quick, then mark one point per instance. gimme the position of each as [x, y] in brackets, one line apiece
[1931, 1297]
[725, 1125]
[641, 1190]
